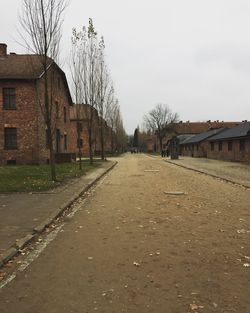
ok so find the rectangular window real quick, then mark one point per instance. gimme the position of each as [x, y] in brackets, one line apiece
[242, 145]
[220, 145]
[65, 143]
[10, 138]
[212, 146]
[9, 98]
[230, 145]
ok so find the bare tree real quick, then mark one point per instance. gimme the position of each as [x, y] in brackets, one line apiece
[114, 120]
[76, 69]
[158, 119]
[111, 113]
[42, 21]
[85, 78]
[102, 95]
[120, 134]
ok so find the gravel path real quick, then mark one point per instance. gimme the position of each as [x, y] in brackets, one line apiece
[133, 248]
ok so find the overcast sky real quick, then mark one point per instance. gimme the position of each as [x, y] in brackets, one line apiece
[193, 55]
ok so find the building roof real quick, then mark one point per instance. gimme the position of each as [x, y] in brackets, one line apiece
[27, 67]
[184, 138]
[239, 131]
[203, 136]
[21, 66]
[199, 127]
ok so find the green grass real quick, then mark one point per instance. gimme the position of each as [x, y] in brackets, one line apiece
[27, 178]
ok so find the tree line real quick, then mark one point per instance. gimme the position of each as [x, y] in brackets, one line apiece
[93, 85]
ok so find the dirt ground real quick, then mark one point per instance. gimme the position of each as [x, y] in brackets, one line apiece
[233, 171]
[133, 248]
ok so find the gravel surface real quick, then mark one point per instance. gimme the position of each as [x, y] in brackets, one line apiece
[237, 172]
[151, 238]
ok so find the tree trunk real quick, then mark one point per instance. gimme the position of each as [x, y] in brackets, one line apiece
[90, 146]
[48, 119]
[51, 153]
[102, 142]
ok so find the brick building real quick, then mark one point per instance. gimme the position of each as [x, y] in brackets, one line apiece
[232, 144]
[22, 128]
[184, 128]
[198, 145]
[79, 118]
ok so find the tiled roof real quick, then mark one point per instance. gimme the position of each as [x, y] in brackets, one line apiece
[184, 138]
[241, 130]
[16, 66]
[203, 136]
[199, 127]
[27, 67]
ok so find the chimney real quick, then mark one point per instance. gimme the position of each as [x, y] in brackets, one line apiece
[3, 50]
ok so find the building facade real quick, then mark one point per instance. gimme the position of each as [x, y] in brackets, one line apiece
[231, 145]
[23, 134]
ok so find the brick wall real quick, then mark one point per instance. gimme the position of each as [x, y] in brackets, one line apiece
[96, 139]
[195, 150]
[234, 155]
[59, 96]
[25, 119]
[29, 120]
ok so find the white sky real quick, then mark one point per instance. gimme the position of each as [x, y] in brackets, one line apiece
[193, 55]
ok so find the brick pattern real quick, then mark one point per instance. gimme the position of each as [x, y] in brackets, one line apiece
[96, 133]
[195, 150]
[29, 120]
[234, 155]
[25, 119]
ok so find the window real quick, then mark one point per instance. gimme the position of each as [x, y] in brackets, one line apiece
[10, 138]
[65, 143]
[9, 98]
[64, 114]
[230, 145]
[242, 145]
[212, 146]
[57, 109]
[220, 145]
[197, 147]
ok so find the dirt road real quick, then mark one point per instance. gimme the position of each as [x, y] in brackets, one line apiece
[133, 248]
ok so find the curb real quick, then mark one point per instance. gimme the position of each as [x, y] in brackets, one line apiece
[208, 174]
[22, 242]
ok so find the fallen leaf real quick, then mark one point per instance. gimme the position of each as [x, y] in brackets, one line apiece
[137, 264]
[194, 306]
[174, 193]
